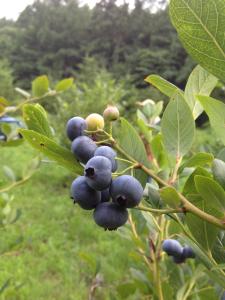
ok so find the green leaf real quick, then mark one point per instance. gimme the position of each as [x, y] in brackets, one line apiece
[200, 26]
[5, 285]
[3, 101]
[218, 169]
[3, 104]
[130, 141]
[126, 289]
[199, 159]
[203, 257]
[22, 92]
[200, 82]
[40, 86]
[211, 192]
[6, 128]
[178, 126]
[35, 118]
[221, 155]
[154, 196]
[52, 150]
[218, 250]
[12, 143]
[159, 151]
[144, 129]
[204, 232]
[189, 187]
[170, 196]
[31, 167]
[64, 85]
[163, 85]
[9, 173]
[215, 109]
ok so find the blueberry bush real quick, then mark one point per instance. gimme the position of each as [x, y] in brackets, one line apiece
[143, 179]
[10, 137]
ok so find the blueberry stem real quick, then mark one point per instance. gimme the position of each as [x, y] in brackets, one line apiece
[175, 171]
[125, 170]
[103, 142]
[159, 211]
[140, 249]
[28, 100]
[123, 159]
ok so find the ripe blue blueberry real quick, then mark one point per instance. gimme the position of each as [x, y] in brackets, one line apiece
[109, 153]
[98, 173]
[126, 191]
[105, 196]
[172, 247]
[110, 216]
[84, 148]
[82, 194]
[179, 259]
[188, 252]
[75, 127]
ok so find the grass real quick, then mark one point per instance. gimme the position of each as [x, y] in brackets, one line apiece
[52, 251]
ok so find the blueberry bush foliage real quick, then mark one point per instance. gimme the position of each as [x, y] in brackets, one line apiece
[175, 198]
[10, 137]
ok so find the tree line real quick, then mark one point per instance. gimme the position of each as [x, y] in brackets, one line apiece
[54, 37]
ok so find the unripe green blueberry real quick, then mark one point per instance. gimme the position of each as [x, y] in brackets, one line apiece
[111, 113]
[94, 122]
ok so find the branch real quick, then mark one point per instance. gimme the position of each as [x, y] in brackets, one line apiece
[187, 205]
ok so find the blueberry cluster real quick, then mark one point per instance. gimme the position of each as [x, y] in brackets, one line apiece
[96, 189]
[180, 254]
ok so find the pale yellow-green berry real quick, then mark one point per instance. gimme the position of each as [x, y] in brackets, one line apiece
[94, 122]
[111, 113]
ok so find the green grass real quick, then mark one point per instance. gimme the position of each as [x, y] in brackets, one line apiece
[52, 249]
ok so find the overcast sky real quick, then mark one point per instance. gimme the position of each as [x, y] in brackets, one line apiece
[12, 8]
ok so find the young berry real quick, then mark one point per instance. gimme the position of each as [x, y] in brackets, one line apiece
[179, 259]
[84, 148]
[172, 247]
[75, 127]
[82, 194]
[109, 153]
[98, 173]
[188, 252]
[105, 196]
[111, 113]
[94, 122]
[110, 216]
[126, 191]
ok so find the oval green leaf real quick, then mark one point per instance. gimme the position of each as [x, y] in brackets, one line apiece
[52, 150]
[178, 126]
[200, 26]
[131, 143]
[200, 82]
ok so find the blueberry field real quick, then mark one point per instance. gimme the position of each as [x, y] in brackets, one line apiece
[112, 151]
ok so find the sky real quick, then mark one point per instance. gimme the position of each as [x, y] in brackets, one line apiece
[11, 9]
